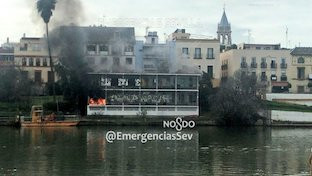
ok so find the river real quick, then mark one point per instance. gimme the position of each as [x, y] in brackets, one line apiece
[212, 151]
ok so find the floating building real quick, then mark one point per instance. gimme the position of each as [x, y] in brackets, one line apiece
[132, 94]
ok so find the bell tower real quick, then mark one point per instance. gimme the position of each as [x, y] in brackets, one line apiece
[224, 31]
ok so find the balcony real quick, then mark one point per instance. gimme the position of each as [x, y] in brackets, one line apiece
[105, 53]
[264, 78]
[273, 65]
[273, 78]
[283, 65]
[264, 65]
[253, 65]
[283, 78]
[128, 53]
[243, 64]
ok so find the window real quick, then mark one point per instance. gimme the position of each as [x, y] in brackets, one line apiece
[210, 53]
[273, 63]
[129, 49]
[116, 61]
[24, 62]
[258, 48]
[300, 89]
[283, 61]
[243, 59]
[31, 62]
[129, 61]
[263, 60]
[300, 72]
[103, 48]
[263, 76]
[38, 76]
[253, 62]
[37, 62]
[91, 48]
[243, 62]
[50, 77]
[300, 60]
[185, 51]
[210, 71]
[197, 53]
[104, 60]
[45, 62]
[153, 41]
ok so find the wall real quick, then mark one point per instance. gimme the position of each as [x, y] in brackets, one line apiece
[291, 116]
[303, 99]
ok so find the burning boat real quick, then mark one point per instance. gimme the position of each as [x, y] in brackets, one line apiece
[39, 120]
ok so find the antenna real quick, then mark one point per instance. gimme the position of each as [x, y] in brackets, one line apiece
[286, 37]
[249, 36]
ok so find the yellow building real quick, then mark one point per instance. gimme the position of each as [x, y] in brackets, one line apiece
[31, 56]
[268, 62]
[196, 55]
[301, 70]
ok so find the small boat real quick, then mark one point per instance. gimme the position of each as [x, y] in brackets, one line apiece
[38, 120]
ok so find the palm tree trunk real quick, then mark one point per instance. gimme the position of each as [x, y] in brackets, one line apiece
[52, 67]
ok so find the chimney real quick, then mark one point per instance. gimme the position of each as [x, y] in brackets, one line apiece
[24, 35]
[8, 40]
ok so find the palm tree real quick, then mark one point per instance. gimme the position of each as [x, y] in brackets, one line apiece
[45, 8]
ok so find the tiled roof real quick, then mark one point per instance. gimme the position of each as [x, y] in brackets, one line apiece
[300, 51]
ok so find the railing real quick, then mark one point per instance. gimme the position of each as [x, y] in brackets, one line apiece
[283, 78]
[253, 65]
[244, 65]
[283, 65]
[264, 65]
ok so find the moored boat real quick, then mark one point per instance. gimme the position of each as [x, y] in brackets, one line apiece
[38, 120]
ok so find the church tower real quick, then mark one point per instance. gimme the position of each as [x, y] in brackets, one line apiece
[224, 31]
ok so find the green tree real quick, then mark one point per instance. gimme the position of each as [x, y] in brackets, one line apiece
[237, 102]
[205, 91]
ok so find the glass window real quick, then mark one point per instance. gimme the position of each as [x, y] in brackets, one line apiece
[187, 82]
[31, 62]
[300, 60]
[197, 53]
[91, 48]
[131, 98]
[148, 98]
[129, 61]
[187, 98]
[300, 72]
[254, 60]
[166, 82]
[45, 62]
[166, 98]
[148, 82]
[185, 51]
[263, 59]
[210, 71]
[37, 62]
[24, 62]
[115, 97]
[210, 53]
[104, 48]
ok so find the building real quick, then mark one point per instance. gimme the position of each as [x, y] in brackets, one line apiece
[270, 63]
[109, 49]
[155, 55]
[31, 56]
[151, 94]
[224, 31]
[194, 55]
[301, 70]
[6, 56]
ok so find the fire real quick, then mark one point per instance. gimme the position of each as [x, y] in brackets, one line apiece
[99, 101]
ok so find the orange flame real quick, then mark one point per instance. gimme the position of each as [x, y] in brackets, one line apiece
[99, 101]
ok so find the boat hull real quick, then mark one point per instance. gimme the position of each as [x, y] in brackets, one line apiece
[50, 124]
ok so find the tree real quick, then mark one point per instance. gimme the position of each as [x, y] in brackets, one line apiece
[237, 102]
[205, 91]
[13, 85]
[45, 8]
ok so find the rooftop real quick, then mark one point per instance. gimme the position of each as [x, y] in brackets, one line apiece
[307, 51]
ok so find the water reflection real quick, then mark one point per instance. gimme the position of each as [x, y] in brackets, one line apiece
[212, 151]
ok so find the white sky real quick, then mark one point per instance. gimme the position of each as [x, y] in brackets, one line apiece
[267, 19]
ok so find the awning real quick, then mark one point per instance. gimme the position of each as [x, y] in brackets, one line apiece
[280, 84]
